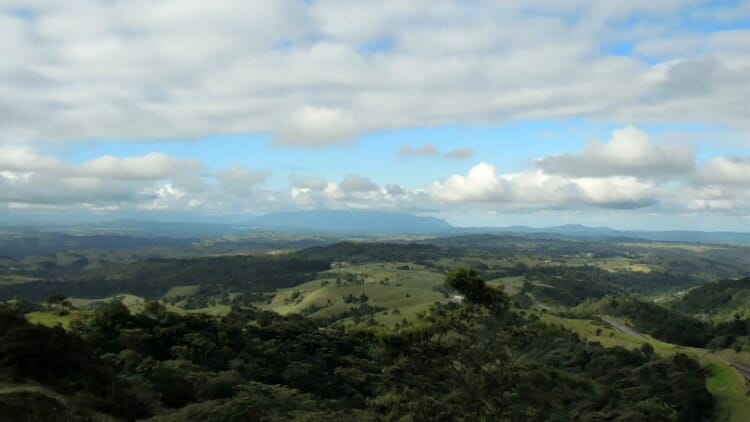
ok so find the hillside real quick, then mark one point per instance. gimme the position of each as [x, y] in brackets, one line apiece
[373, 329]
[719, 301]
[476, 361]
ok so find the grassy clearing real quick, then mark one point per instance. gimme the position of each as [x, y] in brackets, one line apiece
[683, 246]
[623, 264]
[134, 303]
[82, 303]
[386, 285]
[593, 331]
[743, 358]
[16, 279]
[389, 297]
[728, 388]
[52, 319]
[394, 273]
[216, 310]
[472, 261]
[181, 291]
[510, 285]
[398, 315]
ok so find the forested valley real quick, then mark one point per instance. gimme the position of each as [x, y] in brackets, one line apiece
[455, 328]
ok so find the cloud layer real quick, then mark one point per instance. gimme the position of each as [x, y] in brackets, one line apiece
[323, 74]
[629, 172]
[536, 189]
[320, 73]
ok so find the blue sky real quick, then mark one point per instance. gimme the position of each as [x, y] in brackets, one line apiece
[484, 113]
[512, 147]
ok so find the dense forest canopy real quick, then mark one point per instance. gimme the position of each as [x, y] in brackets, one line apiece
[475, 361]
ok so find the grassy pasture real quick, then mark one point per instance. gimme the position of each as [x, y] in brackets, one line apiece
[52, 319]
[386, 285]
[728, 388]
[181, 291]
[680, 246]
[16, 278]
[743, 358]
[510, 285]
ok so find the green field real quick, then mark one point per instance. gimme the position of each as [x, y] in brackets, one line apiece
[624, 264]
[743, 358]
[510, 285]
[181, 291]
[385, 285]
[681, 246]
[16, 278]
[603, 333]
[52, 319]
[729, 389]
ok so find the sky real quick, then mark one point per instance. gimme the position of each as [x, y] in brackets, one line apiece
[633, 115]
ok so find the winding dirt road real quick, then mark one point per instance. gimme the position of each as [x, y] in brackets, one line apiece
[625, 328]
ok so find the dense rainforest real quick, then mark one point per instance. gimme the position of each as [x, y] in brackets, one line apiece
[477, 360]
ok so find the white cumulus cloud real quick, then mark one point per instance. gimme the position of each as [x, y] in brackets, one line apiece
[537, 189]
[629, 152]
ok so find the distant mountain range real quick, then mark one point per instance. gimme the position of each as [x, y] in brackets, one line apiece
[379, 223]
[359, 222]
[366, 223]
[580, 231]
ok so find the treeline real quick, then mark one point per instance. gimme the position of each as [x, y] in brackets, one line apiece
[725, 306]
[720, 300]
[511, 245]
[659, 322]
[665, 324]
[475, 361]
[363, 252]
[153, 278]
[570, 286]
[564, 292]
[21, 245]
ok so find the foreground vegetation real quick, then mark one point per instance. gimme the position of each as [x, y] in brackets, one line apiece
[563, 330]
[479, 360]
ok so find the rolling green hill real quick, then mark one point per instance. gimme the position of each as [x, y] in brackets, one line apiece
[719, 301]
[384, 287]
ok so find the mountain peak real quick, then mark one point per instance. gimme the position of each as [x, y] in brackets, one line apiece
[326, 220]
